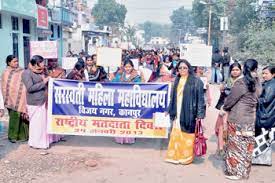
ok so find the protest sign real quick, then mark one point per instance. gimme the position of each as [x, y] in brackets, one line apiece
[197, 54]
[109, 57]
[136, 63]
[205, 82]
[68, 62]
[46, 49]
[146, 73]
[162, 120]
[106, 109]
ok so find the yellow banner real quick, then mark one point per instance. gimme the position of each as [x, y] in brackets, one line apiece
[112, 127]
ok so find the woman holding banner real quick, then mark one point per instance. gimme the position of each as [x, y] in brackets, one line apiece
[36, 85]
[92, 71]
[78, 72]
[129, 75]
[185, 109]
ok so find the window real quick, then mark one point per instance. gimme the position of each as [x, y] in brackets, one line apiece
[52, 29]
[0, 21]
[26, 42]
[14, 21]
[58, 32]
[26, 26]
[15, 44]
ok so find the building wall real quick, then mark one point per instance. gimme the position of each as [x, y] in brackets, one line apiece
[75, 41]
[6, 40]
[6, 37]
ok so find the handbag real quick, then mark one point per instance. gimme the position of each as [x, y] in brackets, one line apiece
[200, 146]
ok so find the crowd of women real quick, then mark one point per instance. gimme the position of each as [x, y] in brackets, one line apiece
[244, 106]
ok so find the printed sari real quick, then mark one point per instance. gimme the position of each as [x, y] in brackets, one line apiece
[181, 144]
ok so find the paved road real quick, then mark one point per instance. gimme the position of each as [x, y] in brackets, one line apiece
[139, 163]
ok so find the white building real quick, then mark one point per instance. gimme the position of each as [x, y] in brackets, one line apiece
[158, 41]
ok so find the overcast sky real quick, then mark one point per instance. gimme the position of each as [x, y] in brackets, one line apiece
[139, 11]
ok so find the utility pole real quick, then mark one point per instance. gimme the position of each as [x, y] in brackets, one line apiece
[61, 32]
[209, 25]
[209, 4]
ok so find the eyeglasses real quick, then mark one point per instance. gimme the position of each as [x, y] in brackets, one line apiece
[183, 68]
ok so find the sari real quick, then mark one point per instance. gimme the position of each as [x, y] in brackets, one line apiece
[181, 145]
[121, 77]
[238, 152]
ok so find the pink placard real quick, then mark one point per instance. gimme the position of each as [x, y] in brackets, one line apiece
[46, 49]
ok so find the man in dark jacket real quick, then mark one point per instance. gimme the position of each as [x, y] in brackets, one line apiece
[216, 65]
[225, 63]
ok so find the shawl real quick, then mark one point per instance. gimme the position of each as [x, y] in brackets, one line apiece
[192, 107]
[57, 73]
[75, 75]
[13, 89]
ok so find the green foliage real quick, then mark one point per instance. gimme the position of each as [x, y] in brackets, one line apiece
[200, 14]
[109, 12]
[243, 14]
[182, 22]
[259, 43]
[130, 32]
[152, 29]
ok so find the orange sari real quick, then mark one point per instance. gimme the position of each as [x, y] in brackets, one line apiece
[181, 144]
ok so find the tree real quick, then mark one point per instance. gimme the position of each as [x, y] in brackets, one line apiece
[259, 43]
[182, 22]
[109, 12]
[152, 29]
[241, 15]
[130, 32]
[200, 13]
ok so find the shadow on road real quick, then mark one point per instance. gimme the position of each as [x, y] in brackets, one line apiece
[108, 142]
[199, 160]
[5, 145]
[216, 162]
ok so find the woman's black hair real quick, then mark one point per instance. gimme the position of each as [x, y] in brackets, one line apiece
[235, 64]
[36, 60]
[270, 68]
[190, 68]
[93, 55]
[79, 65]
[9, 59]
[250, 65]
[128, 61]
